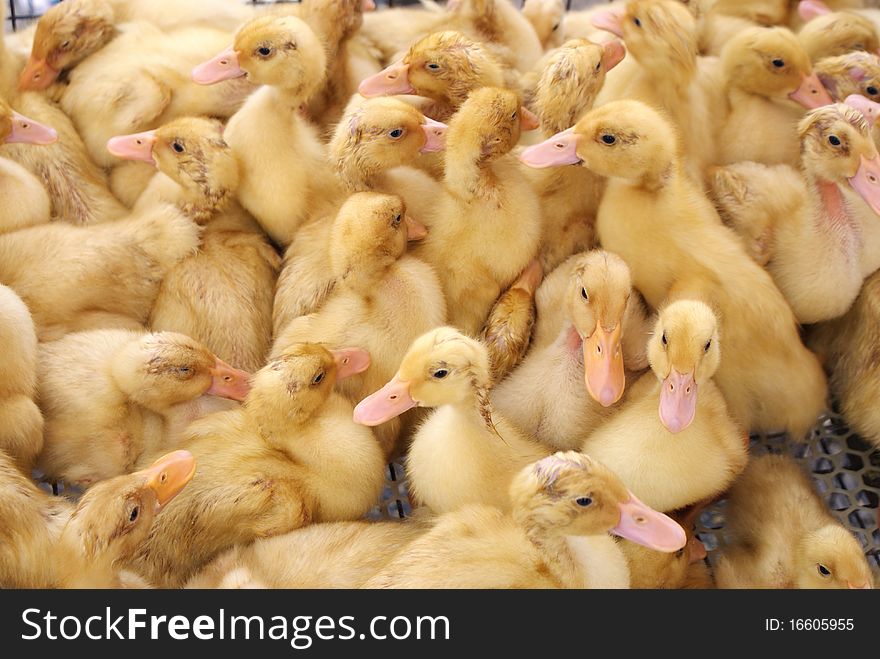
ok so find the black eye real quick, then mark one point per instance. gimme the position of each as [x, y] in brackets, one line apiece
[637, 22]
[584, 294]
[679, 553]
[433, 66]
[396, 221]
[134, 514]
[583, 501]
[556, 27]
[708, 345]
[778, 63]
[824, 571]
[65, 45]
[318, 378]
[663, 339]
[184, 370]
[395, 134]
[598, 65]
[513, 117]
[440, 373]
[177, 146]
[834, 140]
[609, 139]
[872, 90]
[264, 51]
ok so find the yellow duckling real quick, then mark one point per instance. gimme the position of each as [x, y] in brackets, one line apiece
[565, 508]
[464, 452]
[857, 72]
[782, 535]
[291, 455]
[829, 33]
[770, 381]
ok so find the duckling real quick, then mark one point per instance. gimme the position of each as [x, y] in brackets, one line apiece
[830, 208]
[568, 85]
[548, 20]
[383, 298]
[782, 535]
[694, 449]
[546, 396]
[475, 464]
[128, 385]
[52, 543]
[768, 378]
[281, 159]
[235, 262]
[291, 455]
[558, 534]
[857, 72]
[829, 33]
[23, 199]
[21, 422]
[444, 66]
[106, 275]
[472, 245]
[768, 82]
[764, 12]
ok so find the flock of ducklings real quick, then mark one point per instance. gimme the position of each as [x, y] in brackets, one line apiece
[561, 262]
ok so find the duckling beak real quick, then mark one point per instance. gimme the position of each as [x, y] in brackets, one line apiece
[28, 131]
[561, 149]
[390, 401]
[368, 5]
[350, 361]
[696, 550]
[645, 526]
[37, 75]
[811, 94]
[867, 182]
[528, 120]
[603, 365]
[223, 66]
[613, 54]
[435, 135]
[137, 146]
[415, 230]
[389, 81]
[228, 382]
[169, 475]
[866, 106]
[678, 400]
[864, 586]
[810, 9]
[610, 21]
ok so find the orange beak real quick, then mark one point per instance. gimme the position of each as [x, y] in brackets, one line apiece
[169, 475]
[603, 365]
[37, 75]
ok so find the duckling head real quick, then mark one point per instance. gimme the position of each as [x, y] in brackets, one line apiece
[380, 134]
[597, 294]
[441, 367]
[369, 234]
[661, 34]
[571, 494]
[66, 34]
[831, 557]
[683, 352]
[623, 139]
[489, 124]
[443, 66]
[829, 33]
[771, 62]
[292, 387]
[548, 18]
[281, 51]
[857, 72]
[836, 147]
[115, 516]
[571, 80]
[165, 368]
[16, 128]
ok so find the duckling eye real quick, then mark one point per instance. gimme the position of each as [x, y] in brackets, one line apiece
[433, 66]
[707, 346]
[395, 134]
[65, 45]
[663, 339]
[823, 571]
[637, 22]
[513, 117]
[834, 140]
[598, 65]
[264, 51]
[583, 502]
[440, 373]
[584, 294]
[178, 147]
[318, 378]
[555, 27]
[609, 139]
[679, 553]
[133, 515]
[872, 90]
[778, 63]
[396, 222]
[184, 371]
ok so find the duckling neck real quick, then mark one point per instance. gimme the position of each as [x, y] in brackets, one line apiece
[468, 173]
[202, 205]
[556, 552]
[74, 570]
[277, 424]
[833, 207]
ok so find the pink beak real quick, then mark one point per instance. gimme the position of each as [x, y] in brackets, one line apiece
[645, 526]
[613, 54]
[435, 135]
[415, 230]
[28, 131]
[811, 94]
[696, 550]
[350, 361]
[864, 586]
[390, 401]
[561, 149]
[223, 66]
[867, 182]
[678, 401]
[229, 382]
[368, 5]
[137, 146]
[392, 80]
[610, 21]
[866, 106]
[528, 120]
[810, 9]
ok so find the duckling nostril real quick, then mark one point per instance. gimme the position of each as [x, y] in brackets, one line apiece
[224, 62]
[392, 397]
[640, 520]
[345, 361]
[559, 145]
[227, 379]
[163, 478]
[599, 349]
